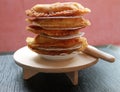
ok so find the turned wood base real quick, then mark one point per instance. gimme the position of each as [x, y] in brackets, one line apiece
[73, 76]
[33, 63]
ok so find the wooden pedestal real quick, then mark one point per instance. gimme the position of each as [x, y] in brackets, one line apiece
[32, 63]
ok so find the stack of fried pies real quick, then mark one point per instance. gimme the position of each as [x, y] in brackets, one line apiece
[58, 28]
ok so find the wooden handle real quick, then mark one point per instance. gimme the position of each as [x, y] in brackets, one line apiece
[99, 54]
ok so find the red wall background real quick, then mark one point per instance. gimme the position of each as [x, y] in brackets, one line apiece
[105, 19]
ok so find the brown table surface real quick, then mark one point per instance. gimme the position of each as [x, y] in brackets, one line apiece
[102, 77]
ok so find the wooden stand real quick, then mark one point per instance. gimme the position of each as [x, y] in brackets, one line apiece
[32, 63]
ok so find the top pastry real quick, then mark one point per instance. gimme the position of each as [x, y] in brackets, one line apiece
[57, 9]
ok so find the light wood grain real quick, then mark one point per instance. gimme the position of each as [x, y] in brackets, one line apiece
[102, 77]
[90, 50]
[28, 59]
[32, 63]
[73, 76]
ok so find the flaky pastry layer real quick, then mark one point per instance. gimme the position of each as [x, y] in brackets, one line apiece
[61, 44]
[40, 41]
[78, 22]
[55, 33]
[46, 52]
[57, 9]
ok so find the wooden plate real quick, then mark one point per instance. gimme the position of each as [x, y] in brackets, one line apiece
[26, 58]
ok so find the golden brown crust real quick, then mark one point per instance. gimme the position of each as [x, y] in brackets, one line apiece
[49, 42]
[44, 42]
[46, 52]
[78, 22]
[36, 46]
[54, 43]
[57, 9]
[57, 27]
[56, 33]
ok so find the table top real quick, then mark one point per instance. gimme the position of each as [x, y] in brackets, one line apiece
[102, 77]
